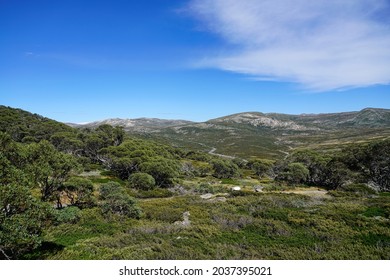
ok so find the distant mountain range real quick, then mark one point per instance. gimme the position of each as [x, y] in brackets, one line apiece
[243, 135]
[135, 125]
[369, 117]
[262, 135]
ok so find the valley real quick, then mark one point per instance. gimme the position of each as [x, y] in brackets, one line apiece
[251, 135]
[245, 186]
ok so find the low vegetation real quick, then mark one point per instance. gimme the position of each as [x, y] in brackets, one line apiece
[102, 194]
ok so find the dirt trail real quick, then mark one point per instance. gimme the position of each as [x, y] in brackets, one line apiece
[212, 152]
[310, 192]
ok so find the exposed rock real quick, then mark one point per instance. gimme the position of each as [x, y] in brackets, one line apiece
[219, 199]
[259, 188]
[380, 218]
[258, 119]
[137, 125]
[186, 220]
[90, 173]
[207, 196]
[179, 190]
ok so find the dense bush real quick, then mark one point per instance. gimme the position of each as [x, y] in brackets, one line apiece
[163, 170]
[45, 165]
[79, 191]
[261, 167]
[294, 173]
[154, 193]
[22, 220]
[362, 189]
[115, 201]
[68, 215]
[225, 169]
[204, 188]
[142, 181]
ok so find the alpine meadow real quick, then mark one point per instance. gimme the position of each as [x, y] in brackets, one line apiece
[282, 190]
[211, 130]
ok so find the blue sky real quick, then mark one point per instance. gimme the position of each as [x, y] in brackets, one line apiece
[79, 61]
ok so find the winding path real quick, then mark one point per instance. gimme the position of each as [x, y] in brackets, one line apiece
[212, 152]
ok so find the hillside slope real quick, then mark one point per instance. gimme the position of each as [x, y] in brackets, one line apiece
[24, 126]
[244, 135]
[136, 125]
[274, 135]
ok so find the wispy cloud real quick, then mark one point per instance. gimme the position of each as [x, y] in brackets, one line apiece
[322, 45]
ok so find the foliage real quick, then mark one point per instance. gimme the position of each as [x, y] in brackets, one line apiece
[153, 193]
[204, 188]
[38, 165]
[203, 169]
[67, 215]
[225, 169]
[378, 164]
[25, 127]
[295, 173]
[142, 181]
[163, 170]
[22, 220]
[135, 155]
[261, 167]
[108, 224]
[67, 142]
[111, 136]
[124, 167]
[188, 169]
[79, 191]
[371, 162]
[264, 226]
[315, 162]
[336, 174]
[49, 169]
[115, 201]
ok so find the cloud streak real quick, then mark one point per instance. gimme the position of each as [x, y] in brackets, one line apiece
[322, 45]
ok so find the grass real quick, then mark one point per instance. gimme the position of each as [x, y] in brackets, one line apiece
[375, 212]
[250, 226]
[273, 224]
[229, 181]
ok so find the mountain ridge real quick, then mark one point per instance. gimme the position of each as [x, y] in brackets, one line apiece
[274, 135]
[267, 119]
[244, 135]
[373, 117]
[135, 125]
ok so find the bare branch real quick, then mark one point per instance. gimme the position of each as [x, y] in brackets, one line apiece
[5, 255]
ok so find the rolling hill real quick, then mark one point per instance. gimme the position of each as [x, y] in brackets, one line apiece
[24, 126]
[254, 134]
[244, 135]
[140, 125]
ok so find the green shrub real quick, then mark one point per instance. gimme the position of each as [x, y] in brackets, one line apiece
[68, 215]
[224, 169]
[115, 201]
[242, 193]
[207, 188]
[278, 188]
[375, 211]
[121, 204]
[154, 193]
[229, 181]
[79, 191]
[163, 170]
[358, 188]
[109, 188]
[142, 181]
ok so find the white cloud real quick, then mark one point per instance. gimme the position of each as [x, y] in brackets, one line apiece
[322, 45]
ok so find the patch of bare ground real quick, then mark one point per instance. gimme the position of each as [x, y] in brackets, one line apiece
[312, 192]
